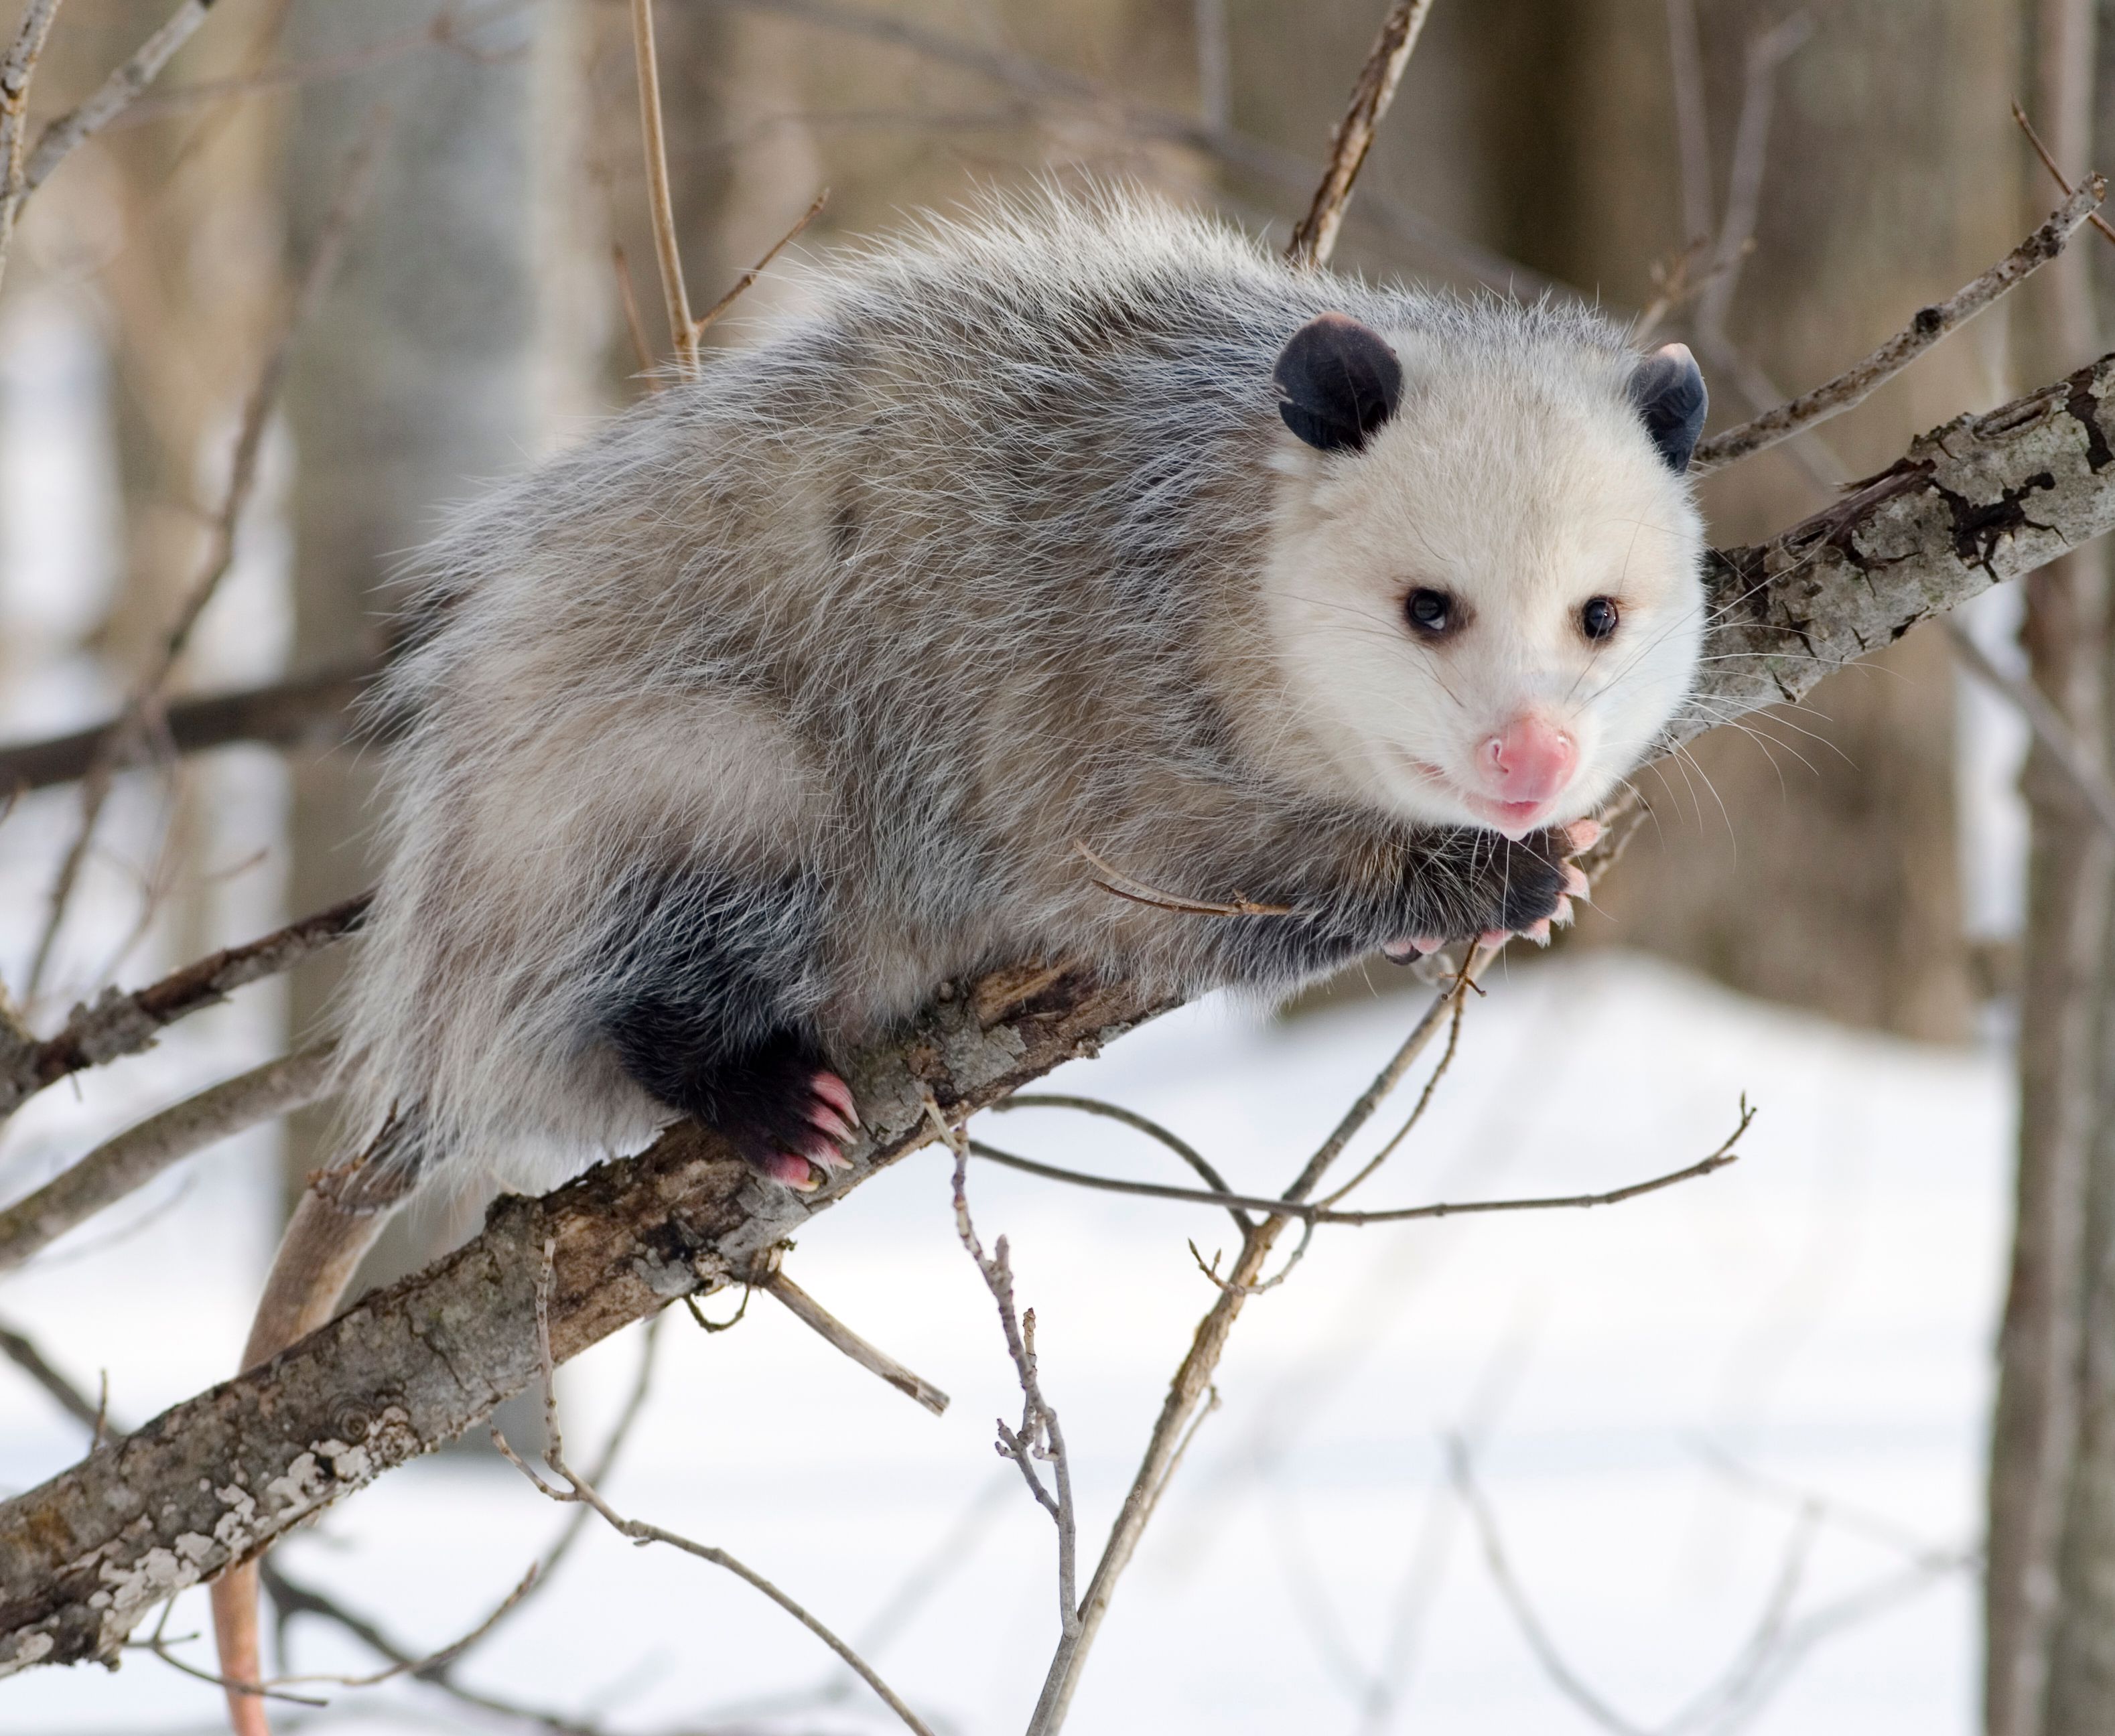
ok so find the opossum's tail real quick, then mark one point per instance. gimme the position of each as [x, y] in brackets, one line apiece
[337, 1222]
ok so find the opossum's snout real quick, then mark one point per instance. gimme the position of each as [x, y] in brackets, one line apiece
[1525, 767]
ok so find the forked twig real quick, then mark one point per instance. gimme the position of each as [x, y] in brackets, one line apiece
[579, 1489]
[2056, 174]
[1039, 1437]
[1727, 1153]
[742, 283]
[1856, 383]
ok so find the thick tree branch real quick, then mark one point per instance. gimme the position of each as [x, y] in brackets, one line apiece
[85, 1556]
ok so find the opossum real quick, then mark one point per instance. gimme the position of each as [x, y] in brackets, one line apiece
[1077, 535]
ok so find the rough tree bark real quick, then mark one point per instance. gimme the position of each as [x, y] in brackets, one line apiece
[86, 1555]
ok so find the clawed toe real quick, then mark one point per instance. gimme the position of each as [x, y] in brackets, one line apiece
[794, 1172]
[837, 1094]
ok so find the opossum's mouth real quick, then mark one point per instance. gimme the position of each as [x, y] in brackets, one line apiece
[1514, 819]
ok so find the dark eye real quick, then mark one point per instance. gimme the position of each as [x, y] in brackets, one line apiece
[1598, 619]
[1430, 613]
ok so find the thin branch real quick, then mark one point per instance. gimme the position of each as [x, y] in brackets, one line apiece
[1856, 383]
[23, 1353]
[1138, 892]
[628, 299]
[579, 1488]
[1726, 1153]
[301, 710]
[135, 1157]
[119, 1024]
[16, 70]
[834, 1331]
[661, 204]
[1130, 1118]
[1039, 1437]
[741, 284]
[113, 95]
[354, 186]
[2057, 175]
[1315, 237]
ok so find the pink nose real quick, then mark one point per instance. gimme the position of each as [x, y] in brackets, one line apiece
[1530, 760]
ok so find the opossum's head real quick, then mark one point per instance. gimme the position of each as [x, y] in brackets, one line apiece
[1484, 589]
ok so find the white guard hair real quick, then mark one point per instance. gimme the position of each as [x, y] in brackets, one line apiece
[998, 544]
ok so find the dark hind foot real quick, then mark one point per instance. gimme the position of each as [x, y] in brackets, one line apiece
[775, 1102]
[787, 1113]
[702, 968]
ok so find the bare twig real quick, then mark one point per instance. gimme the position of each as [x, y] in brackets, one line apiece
[1726, 1153]
[353, 189]
[2056, 174]
[661, 204]
[2065, 751]
[579, 1488]
[1855, 384]
[22, 1352]
[1138, 892]
[113, 95]
[628, 299]
[135, 1157]
[741, 284]
[811, 1313]
[16, 70]
[1039, 1437]
[1130, 1118]
[1315, 237]
[119, 1024]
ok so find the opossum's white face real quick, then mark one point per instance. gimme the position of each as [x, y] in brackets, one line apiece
[1484, 594]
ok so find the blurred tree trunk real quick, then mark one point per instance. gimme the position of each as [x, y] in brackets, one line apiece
[2051, 1606]
[1817, 866]
[411, 387]
[185, 291]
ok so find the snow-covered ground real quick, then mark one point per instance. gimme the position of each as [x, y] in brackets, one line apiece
[1652, 1392]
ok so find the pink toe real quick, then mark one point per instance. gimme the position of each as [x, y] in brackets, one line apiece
[1562, 915]
[1400, 952]
[1425, 943]
[783, 1167]
[1492, 937]
[1584, 833]
[1538, 933]
[1576, 881]
[824, 1116]
[837, 1094]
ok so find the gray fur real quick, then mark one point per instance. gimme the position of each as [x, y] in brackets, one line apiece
[963, 563]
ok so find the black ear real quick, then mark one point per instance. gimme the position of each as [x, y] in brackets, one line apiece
[1668, 391]
[1337, 381]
